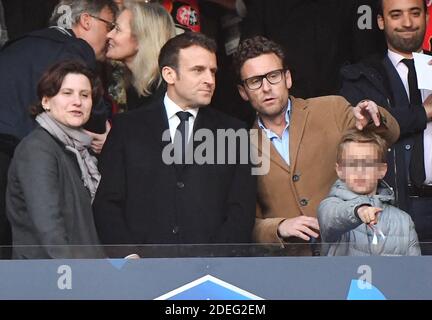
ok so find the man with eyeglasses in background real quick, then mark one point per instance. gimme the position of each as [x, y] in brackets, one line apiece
[79, 29]
[304, 136]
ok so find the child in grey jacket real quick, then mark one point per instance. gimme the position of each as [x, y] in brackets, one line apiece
[358, 218]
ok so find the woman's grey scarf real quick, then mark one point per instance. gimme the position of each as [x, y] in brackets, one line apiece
[77, 141]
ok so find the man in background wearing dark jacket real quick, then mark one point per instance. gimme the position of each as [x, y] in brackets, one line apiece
[391, 82]
[80, 33]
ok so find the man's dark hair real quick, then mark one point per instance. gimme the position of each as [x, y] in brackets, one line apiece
[169, 54]
[254, 47]
[380, 7]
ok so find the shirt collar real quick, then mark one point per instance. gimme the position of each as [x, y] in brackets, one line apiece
[270, 134]
[172, 108]
[395, 57]
[65, 31]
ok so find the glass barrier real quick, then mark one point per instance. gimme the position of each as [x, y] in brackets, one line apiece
[208, 250]
[212, 272]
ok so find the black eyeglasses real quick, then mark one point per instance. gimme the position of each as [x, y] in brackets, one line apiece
[110, 25]
[273, 77]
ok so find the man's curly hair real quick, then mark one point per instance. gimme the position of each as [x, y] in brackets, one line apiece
[253, 47]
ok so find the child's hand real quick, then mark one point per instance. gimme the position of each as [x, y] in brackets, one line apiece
[368, 215]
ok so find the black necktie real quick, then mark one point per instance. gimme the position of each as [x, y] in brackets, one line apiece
[416, 166]
[181, 136]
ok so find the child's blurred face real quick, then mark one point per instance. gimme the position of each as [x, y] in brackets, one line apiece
[360, 167]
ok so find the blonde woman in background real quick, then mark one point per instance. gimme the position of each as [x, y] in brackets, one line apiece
[141, 30]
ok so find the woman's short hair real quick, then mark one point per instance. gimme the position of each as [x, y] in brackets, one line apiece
[152, 27]
[51, 81]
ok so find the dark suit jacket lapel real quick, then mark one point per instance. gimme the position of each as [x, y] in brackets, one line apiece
[155, 123]
[394, 78]
[204, 121]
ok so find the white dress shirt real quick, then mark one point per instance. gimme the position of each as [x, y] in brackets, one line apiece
[171, 109]
[402, 70]
[280, 143]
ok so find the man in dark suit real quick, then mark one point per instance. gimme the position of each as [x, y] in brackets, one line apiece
[391, 82]
[79, 33]
[143, 197]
